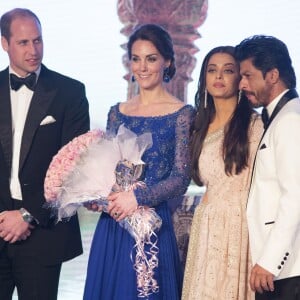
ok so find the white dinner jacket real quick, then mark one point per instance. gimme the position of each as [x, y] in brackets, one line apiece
[273, 209]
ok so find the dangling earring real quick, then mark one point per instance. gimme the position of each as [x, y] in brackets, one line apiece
[166, 77]
[132, 79]
[239, 96]
[205, 98]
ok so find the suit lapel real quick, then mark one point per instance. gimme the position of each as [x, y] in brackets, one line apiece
[289, 95]
[5, 118]
[40, 102]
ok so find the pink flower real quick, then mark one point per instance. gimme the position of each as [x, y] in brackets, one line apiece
[64, 161]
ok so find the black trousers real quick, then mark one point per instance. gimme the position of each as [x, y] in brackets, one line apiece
[285, 289]
[19, 268]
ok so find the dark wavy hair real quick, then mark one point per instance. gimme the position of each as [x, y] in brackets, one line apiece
[8, 17]
[160, 38]
[236, 141]
[267, 53]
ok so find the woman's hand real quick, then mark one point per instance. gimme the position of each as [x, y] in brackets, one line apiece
[121, 205]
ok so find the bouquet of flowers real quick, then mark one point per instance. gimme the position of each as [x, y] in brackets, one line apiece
[87, 169]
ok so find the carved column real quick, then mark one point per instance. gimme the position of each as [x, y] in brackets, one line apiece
[180, 18]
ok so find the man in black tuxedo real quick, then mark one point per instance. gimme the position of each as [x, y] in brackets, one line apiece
[39, 113]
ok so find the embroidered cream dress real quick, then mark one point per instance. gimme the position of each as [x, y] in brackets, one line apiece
[218, 264]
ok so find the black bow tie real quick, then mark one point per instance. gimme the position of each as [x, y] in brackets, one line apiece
[16, 82]
[265, 117]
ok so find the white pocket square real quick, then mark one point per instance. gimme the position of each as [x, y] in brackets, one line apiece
[47, 120]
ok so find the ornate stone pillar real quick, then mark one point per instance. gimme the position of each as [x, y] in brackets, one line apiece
[180, 18]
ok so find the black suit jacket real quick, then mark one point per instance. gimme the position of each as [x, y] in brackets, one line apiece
[64, 99]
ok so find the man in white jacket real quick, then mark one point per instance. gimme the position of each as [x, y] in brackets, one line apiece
[273, 210]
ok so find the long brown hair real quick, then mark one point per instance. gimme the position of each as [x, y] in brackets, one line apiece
[236, 141]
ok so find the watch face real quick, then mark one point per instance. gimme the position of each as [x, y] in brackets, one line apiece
[27, 217]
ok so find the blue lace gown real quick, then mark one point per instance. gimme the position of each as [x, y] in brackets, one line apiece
[110, 274]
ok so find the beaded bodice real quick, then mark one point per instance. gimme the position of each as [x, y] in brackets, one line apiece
[167, 162]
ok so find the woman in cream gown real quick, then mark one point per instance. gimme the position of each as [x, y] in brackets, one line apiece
[224, 142]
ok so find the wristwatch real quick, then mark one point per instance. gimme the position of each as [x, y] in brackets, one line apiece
[27, 217]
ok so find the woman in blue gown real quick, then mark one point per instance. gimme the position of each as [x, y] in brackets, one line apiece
[111, 275]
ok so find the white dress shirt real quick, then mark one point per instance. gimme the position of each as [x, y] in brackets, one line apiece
[20, 102]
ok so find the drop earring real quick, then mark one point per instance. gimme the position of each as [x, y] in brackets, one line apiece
[239, 96]
[166, 77]
[205, 98]
[132, 79]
